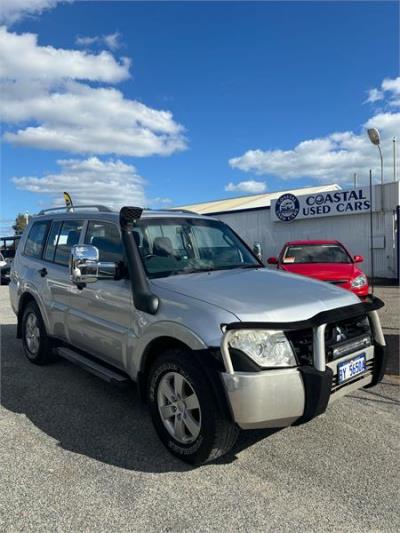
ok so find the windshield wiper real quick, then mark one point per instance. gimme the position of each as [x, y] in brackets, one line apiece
[194, 270]
[211, 269]
[249, 266]
[216, 269]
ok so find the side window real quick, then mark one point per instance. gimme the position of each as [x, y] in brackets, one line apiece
[52, 241]
[35, 241]
[69, 235]
[106, 237]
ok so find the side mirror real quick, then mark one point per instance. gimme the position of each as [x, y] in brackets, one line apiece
[358, 258]
[272, 261]
[84, 264]
[257, 250]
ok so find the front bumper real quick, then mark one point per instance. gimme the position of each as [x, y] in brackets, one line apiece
[282, 397]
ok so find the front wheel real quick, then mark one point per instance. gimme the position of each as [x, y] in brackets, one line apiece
[184, 410]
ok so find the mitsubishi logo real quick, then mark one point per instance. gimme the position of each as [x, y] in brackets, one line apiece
[340, 335]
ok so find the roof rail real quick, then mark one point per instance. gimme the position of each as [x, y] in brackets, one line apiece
[179, 210]
[100, 208]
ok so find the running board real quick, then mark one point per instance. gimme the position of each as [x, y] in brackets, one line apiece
[99, 370]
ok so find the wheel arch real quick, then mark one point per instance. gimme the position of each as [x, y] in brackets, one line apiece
[154, 348]
[206, 358]
[26, 298]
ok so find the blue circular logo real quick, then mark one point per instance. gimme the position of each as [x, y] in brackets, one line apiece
[287, 207]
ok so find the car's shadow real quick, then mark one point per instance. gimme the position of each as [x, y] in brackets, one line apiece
[87, 416]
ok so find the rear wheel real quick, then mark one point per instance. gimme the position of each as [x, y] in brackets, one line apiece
[184, 410]
[38, 347]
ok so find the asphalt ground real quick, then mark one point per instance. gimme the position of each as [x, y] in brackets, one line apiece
[77, 454]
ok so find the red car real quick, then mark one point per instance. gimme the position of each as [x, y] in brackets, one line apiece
[324, 260]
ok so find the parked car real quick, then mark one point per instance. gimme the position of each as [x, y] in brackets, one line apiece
[178, 303]
[324, 260]
[4, 270]
[9, 245]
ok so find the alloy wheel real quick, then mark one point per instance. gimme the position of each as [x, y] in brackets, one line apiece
[179, 407]
[32, 333]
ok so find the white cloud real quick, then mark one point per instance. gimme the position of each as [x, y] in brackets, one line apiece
[374, 95]
[13, 10]
[159, 201]
[82, 119]
[90, 181]
[111, 40]
[390, 88]
[86, 41]
[6, 226]
[248, 187]
[44, 94]
[22, 59]
[334, 157]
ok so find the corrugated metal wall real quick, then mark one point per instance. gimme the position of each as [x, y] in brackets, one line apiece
[352, 230]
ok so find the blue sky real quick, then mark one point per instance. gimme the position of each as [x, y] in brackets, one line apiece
[244, 85]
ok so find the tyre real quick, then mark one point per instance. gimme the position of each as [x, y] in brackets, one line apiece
[37, 345]
[185, 412]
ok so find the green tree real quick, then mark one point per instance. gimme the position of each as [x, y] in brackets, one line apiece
[21, 222]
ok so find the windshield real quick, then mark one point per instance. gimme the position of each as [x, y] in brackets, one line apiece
[171, 246]
[316, 253]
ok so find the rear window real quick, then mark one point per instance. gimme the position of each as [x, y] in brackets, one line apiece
[35, 241]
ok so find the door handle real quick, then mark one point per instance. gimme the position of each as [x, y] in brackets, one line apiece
[43, 272]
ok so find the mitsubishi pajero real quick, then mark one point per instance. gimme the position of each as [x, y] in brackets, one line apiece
[178, 303]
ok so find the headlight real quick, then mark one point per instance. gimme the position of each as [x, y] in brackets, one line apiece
[359, 281]
[266, 347]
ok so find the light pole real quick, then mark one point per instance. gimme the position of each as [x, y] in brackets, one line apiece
[375, 138]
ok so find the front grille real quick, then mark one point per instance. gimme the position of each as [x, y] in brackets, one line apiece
[341, 338]
[369, 371]
[346, 332]
[336, 281]
[302, 343]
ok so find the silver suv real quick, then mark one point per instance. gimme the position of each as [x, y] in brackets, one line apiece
[179, 303]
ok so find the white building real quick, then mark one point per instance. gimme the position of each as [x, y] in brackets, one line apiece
[324, 212]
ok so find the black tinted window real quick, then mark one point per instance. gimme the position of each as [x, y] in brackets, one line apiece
[107, 239]
[69, 235]
[52, 241]
[35, 240]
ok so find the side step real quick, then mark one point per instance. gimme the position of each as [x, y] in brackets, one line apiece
[96, 368]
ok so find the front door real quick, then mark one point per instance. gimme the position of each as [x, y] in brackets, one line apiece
[101, 314]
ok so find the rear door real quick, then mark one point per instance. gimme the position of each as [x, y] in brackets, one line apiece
[101, 314]
[30, 265]
[63, 234]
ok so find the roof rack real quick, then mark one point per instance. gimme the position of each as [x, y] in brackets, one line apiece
[100, 208]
